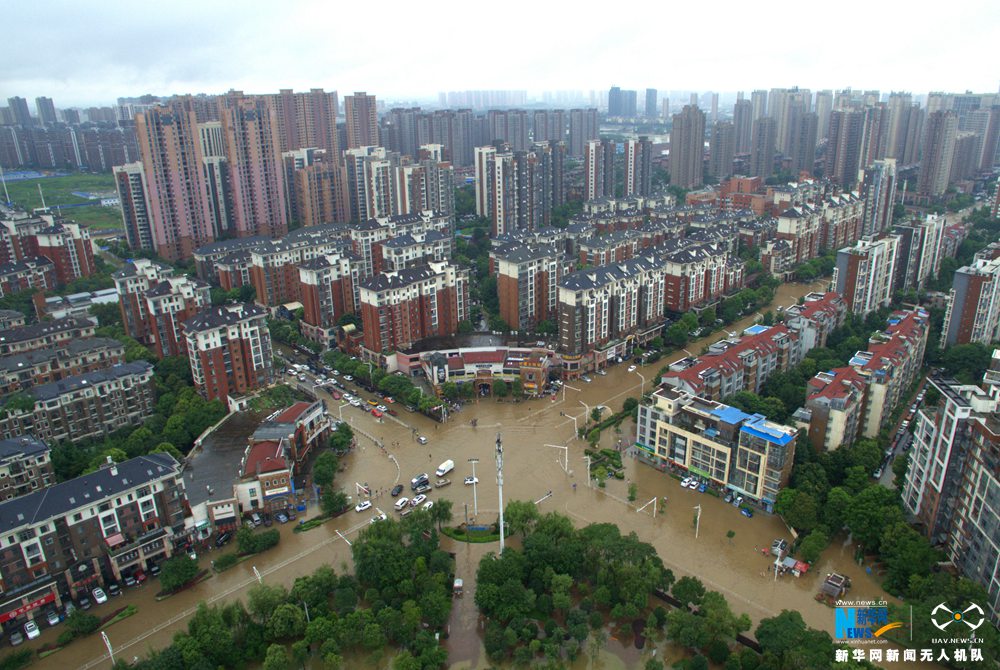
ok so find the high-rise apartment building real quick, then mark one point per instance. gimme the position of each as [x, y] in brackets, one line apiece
[317, 188]
[879, 192]
[599, 161]
[762, 148]
[131, 282]
[509, 126]
[638, 166]
[865, 272]
[758, 101]
[130, 180]
[845, 146]
[783, 105]
[650, 110]
[743, 122]
[306, 120]
[19, 110]
[687, 148]
[801, 147]
[722, 148]
[401, 308]
[362, 120]
[46, 111]
[371, 182]
[582, 128]
[973, 311]
[512, 186]
[168, 304]
[229, 350]
[823, 106]
[920, 251]
[548, 124]
[941, 128]
[169, 144]
[257, 175]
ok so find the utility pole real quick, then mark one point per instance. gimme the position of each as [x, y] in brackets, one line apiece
[587, 458]
[697, 520]
[500, 487]
[475, 499]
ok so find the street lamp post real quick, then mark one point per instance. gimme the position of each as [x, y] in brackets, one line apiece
[697, 520]
[642, 387]
[475, 499]
[587, 458]
[499, 456]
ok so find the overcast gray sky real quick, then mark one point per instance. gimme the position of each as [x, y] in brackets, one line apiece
[88, 53]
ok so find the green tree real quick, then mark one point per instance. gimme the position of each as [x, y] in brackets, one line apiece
[265, 599]
[286, 622]
[906, 553]
[520, 516]
[689, 590]
[276, 658]
[177, 571]
[441, 512]
[870, 513]
[813, 545]
[325, 468]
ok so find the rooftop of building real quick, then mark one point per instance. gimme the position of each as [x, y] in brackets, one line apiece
[53, 390]
[107, 482]
[170, 286]
[24, 445]
[413, 239]
[385, 281]
[24, 265]
[266, 456]
[223, 315]
[43, 328]
[74, 347]
[134, 267]
[231, 245]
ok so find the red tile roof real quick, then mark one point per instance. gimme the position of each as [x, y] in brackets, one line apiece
[838, 387]
[292, 413]
[264, 457]
[897, 348]
[810, 308]
[496, 356]
[729, 361]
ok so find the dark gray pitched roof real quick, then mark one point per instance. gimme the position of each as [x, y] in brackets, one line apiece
[389, 280]
[222, 315]
[236, 244]
[15, 362]
[25, 445]
[41, 328]
[53, 390]
[63, 498]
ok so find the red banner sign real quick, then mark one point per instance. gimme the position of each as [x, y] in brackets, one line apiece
[23, 609]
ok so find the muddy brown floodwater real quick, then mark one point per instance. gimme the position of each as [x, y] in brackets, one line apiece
[534, 435]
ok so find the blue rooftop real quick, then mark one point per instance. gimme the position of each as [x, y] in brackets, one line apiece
[730, 415]
[756, 330]
[759, 428]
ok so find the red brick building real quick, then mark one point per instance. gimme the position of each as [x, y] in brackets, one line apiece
[132, 282]
[66, 243]
[229, 350]
[400, 308]
[527, 284]
[168, 305]
[326, 286]
[34, 274]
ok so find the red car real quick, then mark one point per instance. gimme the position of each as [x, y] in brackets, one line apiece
[335, 395]
[377, 413]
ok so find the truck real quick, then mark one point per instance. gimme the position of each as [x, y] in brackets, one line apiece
[445, 468]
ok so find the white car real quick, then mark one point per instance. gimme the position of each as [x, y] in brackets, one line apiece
[379, 517]
[632, 368]
[348, 378]
[336, 373]
[693, 484]
[417, 500]
[422, 440]
[382, 408]
[100, 597]
[355, 402]
[428, 504]
[469, 481]
[586, 379]
[31, 630]
[685, 482]
[363, 505]
[401, 504]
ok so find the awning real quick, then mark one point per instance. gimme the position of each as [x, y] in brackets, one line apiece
[115, 540]
[282, 490]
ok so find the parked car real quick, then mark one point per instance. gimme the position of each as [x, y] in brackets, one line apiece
[419, 480]
[31, 630]
[586, 379]
[417, 500]
[348, 378]
[379, 517]
[632, 368]
[396, 490]
[877, 473]
[52, 617]
[131, 581]
[16, 638]
[429, 504]
[693, 484]
[401, 504]
[422, 440]
[85, 603]
[100, 597]
[281, 517]
[748, 513]
[363, 505]
[685, 482]
[114, 590]
[423, 488]
[737, 501]
[469, 481]
[382, 408]
[702, 488]
[155, 570]
[377, 413]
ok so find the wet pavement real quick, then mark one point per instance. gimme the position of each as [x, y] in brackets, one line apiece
[541, 455]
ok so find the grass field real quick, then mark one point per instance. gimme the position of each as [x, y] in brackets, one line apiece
[59, 191]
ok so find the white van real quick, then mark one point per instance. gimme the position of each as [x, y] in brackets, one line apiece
[445, 468]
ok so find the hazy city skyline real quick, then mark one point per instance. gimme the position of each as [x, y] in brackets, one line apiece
[117, 50]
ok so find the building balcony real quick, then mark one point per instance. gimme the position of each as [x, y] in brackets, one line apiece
[127, 543]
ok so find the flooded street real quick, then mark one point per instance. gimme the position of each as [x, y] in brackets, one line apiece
[534, 434]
